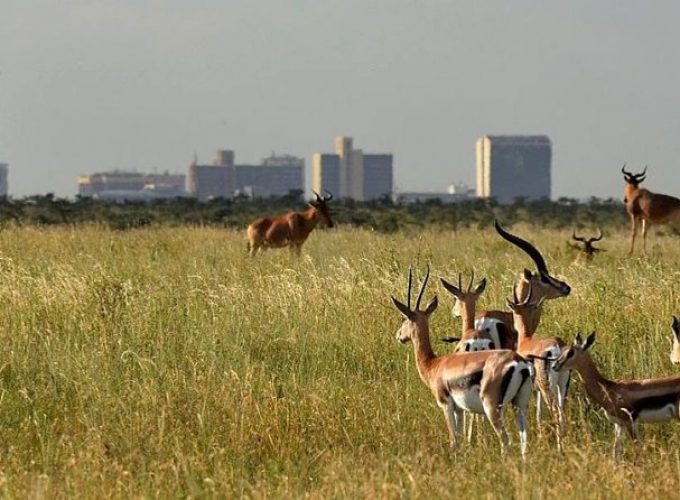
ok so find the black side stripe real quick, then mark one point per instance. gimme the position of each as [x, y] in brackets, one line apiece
[505, 382]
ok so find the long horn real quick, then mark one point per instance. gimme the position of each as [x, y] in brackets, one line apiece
[422, 288]
[625, 172]
[410, 283]
[596, 238]
[577, 238]
[472, 281]
[318, 198]
[528, 248]
[329, 195]
[528, 297]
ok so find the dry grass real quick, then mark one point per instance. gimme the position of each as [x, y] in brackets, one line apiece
[164, 362]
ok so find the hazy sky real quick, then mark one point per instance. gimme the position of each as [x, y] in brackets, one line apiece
[87, 86]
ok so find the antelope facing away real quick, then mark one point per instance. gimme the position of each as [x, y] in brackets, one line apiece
[289, 230]
[544, 286]
[626, 402]
[588, 250]
[650, 208]
[477, 382]
[675, 349]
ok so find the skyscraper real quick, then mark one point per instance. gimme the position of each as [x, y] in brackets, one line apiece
[513, 166]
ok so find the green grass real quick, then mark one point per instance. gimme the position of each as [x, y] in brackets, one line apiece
[164, 362]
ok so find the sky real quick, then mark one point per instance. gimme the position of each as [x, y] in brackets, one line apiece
[89, 86]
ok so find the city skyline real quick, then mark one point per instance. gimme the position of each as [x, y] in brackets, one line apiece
[127, 85]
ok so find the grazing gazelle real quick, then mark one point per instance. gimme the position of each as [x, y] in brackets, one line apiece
[648, 207]
[545, 287]
[471, 339]
[625, 402]
[588, 250]
[552, 386]
[675, 349]
[289, 230]
[477, 382]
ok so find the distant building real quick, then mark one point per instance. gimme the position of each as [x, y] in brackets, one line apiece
[4, 173]
[277, 175]
[513, 166]
[454, 194]
[121, 186]
[349, 173]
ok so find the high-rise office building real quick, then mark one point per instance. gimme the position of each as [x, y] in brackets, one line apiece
[4, 173]
[513, 166]
[349, 173]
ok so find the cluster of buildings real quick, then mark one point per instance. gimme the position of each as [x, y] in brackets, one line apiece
[507, 168]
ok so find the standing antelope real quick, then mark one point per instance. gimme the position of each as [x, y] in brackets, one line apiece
[476, 382]
[552, 386]
[675, 349]
[625, 402]
[650, 208]
[499, 324]
[588, 250]
[288, 230]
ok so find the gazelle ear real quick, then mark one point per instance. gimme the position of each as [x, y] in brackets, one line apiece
[451, 289]
[431, 306]
[589, 341]
[526, 275]
[578, 341]
[403, 309]
[480, 288]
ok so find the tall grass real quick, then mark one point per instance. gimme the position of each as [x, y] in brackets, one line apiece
[164, 362]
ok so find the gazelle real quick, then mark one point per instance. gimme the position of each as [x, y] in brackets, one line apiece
[477, 382]
[675, 349]
[588, 250]
[552, 386]
[289, 230]
[650, 208]
[626, 402]
[498, 323]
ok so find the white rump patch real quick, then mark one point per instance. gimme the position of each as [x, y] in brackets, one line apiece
[489, 325]
[473, 345]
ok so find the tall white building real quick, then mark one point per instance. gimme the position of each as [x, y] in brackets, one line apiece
[513, 166]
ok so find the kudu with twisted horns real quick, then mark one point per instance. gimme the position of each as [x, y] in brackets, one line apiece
[291, 229]
[647, 207]
[476, 382]
[587, 250]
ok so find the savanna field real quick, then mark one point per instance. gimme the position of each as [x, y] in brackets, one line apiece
[163, 362]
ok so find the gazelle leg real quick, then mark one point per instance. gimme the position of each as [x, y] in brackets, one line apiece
[618, 432]
[521, 419]
[494, 413]
[633, 224]
[470, 423]
[453, 418]
[539, 399]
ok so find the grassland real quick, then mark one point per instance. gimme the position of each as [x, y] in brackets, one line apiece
[165, 363]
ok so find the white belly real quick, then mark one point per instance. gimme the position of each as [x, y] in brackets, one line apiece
[662, 414]
[468, 400]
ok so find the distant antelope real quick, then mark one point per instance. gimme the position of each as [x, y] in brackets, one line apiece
[543, 285]
[675, 349]
[477, 382]
[289, 230]
[626, 402]
[588, 250]
[650, 208]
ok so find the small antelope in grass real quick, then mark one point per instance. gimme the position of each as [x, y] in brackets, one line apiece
[675, 349]
[471, 339]
[648, 207]
[477, 382]
[544, 286]
[552, 386]
[588, 250]
[626, 402]
[289, 230]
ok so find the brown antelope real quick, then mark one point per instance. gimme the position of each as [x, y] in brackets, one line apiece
[289, 230]
[552, 386]
[648, 207]
[675, 349]
[477, 382]
[588, 250]
[626, 402]
[544, 286]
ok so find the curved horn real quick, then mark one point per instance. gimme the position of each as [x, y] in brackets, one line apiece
[528, 248]
[625, 172]
[472, 281]
[577, 238]
[318, 198]
[328, 196]
[528, 297]
[410, 283]
[596, 238]
[422, 287]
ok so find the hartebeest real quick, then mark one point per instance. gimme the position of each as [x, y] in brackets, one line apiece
[291, 229]
[477, 382]
[587, 251]
[675, 348]
[650, 208]
[543, 285]
[626, 402]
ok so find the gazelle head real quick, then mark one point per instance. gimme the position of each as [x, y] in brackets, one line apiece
[465, 299]
[588, 248]
[543, 284]
[633, 179]
[321, 205]
[675, 350]
[526, 313]
[572, 355]
[414, 319]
